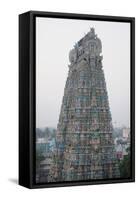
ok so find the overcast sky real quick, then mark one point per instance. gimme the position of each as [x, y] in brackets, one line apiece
[54, 39]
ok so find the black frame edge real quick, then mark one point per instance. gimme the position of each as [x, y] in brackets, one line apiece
[81, 16]
[24, 98]
[132, 65]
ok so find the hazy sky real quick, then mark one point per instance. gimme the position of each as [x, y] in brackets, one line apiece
[54, 39]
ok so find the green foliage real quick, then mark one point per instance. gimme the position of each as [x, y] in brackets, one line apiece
[125, 166]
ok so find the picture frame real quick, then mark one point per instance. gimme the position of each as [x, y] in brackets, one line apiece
[28, 95]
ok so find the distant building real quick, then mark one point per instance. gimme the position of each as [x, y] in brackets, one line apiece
[45, 146]
[122, 143]
[126, 133]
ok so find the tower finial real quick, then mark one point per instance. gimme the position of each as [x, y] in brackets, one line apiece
[92, 32]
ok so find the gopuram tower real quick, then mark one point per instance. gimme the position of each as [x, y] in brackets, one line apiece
[85, 147]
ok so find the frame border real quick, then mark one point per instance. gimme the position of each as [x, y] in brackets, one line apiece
[27, 41]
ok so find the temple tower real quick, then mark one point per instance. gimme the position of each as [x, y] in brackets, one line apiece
[85, 147]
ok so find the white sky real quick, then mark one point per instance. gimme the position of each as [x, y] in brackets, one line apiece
[54, 39]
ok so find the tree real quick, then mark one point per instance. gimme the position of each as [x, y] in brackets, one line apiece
[125, 167]
[46, 132]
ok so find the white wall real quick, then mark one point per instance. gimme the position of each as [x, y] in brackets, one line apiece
[9, 11]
